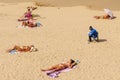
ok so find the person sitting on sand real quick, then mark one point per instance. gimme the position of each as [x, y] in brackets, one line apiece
[30, 48]
[28, 14]
[61, 66]
[93, 34]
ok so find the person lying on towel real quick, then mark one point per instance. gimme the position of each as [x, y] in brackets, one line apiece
[102, 17]
[31, 24]
[61, 66]
[108, 15]
[30, 48]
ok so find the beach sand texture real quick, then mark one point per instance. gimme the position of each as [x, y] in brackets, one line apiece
[92, 4]
[63, 36]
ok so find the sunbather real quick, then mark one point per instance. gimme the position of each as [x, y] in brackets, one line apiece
[108, 15]
[31, 24]
[30, 48]
[102, 17]
[61, 66]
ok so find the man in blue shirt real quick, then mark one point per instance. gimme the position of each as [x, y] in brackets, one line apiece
[92, 34]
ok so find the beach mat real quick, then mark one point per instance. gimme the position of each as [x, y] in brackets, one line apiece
[13, 52]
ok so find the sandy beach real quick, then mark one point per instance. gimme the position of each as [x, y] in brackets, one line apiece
[63, 36]
[92, 4]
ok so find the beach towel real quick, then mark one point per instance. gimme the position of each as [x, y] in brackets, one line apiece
[13, 52]
[35, 15]
[38, 24]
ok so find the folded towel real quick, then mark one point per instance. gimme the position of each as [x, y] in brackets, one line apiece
[38, 24]
[13, 52]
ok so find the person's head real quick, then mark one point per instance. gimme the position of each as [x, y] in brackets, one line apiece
[90, 28]
[33, 49]
[28, 9]
[71, 61]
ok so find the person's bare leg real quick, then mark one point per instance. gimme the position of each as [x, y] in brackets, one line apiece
[90, 39]
[12, 48]
[97, 17]
[54, 70]
[33, 8]
[97, 39]
[23, 23]
[51, 68]
[106, 16]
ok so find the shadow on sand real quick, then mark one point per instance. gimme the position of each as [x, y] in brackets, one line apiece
[114, 17]
[102, 40]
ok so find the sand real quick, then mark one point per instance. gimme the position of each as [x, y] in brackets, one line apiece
[62, 37]
[91, 4]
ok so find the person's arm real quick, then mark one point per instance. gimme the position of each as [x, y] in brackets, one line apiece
[33, 8]
[92, 32]
[73, 64]
[89, 33]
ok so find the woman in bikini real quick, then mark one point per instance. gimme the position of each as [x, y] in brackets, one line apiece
[28, 14]
[61, 66]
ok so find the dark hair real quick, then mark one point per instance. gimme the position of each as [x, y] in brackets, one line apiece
[90, 27]
[72, 61]
[28, 9]
[28, 22]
